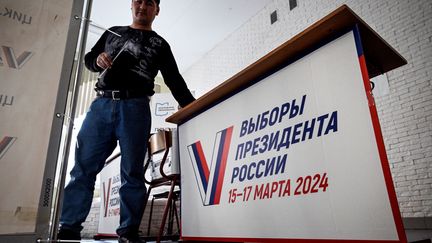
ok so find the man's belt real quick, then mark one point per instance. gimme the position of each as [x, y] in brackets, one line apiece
[120, 94]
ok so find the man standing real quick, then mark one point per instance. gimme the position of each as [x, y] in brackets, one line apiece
[128, 66]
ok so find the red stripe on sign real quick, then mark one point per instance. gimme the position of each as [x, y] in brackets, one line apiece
[223, 164]
[382, 152]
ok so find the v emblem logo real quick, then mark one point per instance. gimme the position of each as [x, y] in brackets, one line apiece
[5, 144]
[210, 181]
[13, 60]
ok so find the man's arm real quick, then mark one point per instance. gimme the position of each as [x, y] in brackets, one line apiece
[174, 80]
[91, 57]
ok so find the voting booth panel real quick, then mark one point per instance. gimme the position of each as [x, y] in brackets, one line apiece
[301, 158]
[38, 40]
[109, 215]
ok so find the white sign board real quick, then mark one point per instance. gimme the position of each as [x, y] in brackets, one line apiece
[33, 36]
[162, 105]
[297, 159]
[109, 215]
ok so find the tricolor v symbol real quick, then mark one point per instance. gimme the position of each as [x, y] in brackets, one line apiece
[106, 196]
[210, 181]
[5, 144]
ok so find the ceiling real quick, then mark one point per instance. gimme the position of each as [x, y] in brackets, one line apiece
[192, 27]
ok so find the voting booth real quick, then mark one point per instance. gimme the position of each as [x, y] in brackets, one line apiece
[301, 157]
[38, 41]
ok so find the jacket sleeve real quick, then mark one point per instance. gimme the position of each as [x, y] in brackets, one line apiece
[98, 48]
[173, 78]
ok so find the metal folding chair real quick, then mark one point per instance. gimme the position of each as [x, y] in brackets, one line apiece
[161, 142]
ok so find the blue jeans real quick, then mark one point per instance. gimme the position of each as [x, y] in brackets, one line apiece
[108, 121]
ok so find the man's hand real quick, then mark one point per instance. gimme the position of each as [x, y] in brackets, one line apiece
[104, 60]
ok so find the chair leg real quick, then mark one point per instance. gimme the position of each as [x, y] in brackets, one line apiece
[165, 214]
[170, 218]
[176, 216]
[150, 217]
[151, 210]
